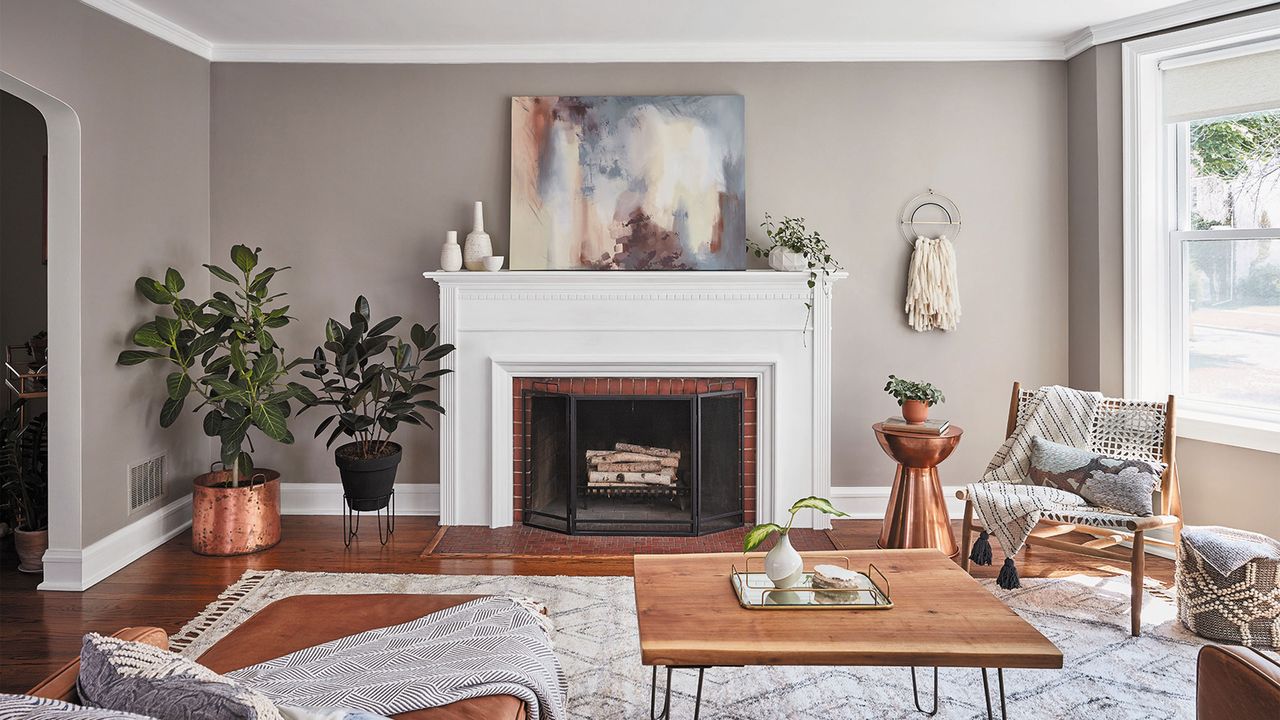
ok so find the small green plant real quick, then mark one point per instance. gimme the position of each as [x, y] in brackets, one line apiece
[375, 381]
[905, 390]
[760, 533]
[222, 349]
[791, 234]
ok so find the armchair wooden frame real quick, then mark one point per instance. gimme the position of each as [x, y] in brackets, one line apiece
[1105, 541]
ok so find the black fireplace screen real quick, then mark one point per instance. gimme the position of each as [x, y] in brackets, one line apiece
[633, 464]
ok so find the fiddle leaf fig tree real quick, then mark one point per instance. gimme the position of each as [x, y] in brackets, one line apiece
[222, 350]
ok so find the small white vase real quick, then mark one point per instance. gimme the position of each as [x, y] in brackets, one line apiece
[783, 565]
[451, 253]
[784, 260]
[478, 246]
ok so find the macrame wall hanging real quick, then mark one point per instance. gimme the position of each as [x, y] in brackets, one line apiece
[933, 295]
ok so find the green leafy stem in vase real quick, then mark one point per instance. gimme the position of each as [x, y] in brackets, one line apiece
[758, 534]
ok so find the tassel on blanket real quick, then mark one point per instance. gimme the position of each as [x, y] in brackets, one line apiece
[1008, 577]
[981, 552]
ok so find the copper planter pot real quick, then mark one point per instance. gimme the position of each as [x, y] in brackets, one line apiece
[235, 520]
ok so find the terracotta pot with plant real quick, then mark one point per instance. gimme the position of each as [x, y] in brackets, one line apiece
[24, 479]
[374, 382]
[915, 398]
[223, 351]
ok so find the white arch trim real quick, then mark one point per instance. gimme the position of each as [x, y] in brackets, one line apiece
[62, 561]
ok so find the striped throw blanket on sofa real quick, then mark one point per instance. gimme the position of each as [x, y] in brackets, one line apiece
[489, 646]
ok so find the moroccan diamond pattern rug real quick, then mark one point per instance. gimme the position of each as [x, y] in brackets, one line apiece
[1106, 673]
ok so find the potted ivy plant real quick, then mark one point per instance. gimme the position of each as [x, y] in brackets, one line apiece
[783, 565]
[793, 248]
[374, 382]
[915, 398]
[222, 350]
[24, 479]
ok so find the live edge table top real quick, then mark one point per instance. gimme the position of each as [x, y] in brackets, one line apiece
[689, 616]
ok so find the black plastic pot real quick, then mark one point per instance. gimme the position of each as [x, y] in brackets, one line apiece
[368, 483]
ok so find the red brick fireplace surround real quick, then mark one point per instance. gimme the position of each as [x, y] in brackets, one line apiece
[639, 386]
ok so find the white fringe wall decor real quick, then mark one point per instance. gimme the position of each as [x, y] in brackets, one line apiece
[933, 295]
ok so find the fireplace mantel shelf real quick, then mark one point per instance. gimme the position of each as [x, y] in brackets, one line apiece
[647, 278]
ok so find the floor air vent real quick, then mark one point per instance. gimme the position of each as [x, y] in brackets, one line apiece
[146, 482]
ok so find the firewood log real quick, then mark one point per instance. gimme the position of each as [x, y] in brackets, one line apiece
[621, 457]
[645, 450]
[609, 478]
[639, 467]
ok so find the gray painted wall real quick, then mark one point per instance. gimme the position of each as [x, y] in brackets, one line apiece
[1221, 484]
[23, 286]
[143, 106]
[353, 173]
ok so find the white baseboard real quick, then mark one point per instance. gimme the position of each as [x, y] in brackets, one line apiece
[77, 570]
[869, 503]
[326, 499]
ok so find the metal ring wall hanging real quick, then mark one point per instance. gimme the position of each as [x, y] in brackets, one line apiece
[912, 228]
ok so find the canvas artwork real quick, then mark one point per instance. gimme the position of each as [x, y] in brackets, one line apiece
[628, 183]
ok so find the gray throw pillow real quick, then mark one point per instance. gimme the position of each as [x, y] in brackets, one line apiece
[140, 678]
[1106, 482]
[28, 707]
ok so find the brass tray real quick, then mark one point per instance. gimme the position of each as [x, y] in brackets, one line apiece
[756, 592]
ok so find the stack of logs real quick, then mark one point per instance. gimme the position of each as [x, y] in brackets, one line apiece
[632, 466]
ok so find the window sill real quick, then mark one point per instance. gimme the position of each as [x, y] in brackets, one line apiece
[1228, 430]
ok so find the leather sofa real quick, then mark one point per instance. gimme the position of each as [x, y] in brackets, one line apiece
[299, 622]
[1236, 683]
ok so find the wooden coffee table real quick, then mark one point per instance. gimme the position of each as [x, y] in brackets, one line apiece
[689, 618]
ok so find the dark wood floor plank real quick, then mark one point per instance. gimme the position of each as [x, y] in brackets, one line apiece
[169, 586]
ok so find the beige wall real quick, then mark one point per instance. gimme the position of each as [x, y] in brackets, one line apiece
[1221, 485]
[143, 106]
[22, 274]
[353, 173]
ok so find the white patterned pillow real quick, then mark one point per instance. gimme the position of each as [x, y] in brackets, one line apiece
[28, 707]
[141, 678]
[1106, 482]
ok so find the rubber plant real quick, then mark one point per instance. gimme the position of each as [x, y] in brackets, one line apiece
[24, 481]
[375, 381]
[222, 350]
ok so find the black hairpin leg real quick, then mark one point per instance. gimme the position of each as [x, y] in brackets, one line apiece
[666, 698]
[351, 521]
[986, 692]
[915, 693]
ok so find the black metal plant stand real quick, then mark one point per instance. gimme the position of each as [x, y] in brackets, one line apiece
[351, 520]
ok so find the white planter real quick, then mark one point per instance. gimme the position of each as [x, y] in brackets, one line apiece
[784, 260]
[783, 565]
[451, 253]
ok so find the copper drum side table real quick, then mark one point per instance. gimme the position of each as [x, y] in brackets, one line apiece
[917, 513]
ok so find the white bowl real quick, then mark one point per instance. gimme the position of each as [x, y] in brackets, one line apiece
[493, 263]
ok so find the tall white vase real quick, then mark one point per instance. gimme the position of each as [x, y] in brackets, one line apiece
[783, 565]
[451, 253]
[478, 246]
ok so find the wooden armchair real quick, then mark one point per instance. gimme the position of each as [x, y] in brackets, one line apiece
[1129, 429]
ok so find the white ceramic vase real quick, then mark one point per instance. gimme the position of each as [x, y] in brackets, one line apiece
[478, 246]
[451, 253]
[783, 565]
[784, 260]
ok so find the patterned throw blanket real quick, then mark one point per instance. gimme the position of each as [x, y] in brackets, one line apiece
[1006, 502]
[489, 646]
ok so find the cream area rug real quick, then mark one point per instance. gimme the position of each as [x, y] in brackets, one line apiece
[1106, 673]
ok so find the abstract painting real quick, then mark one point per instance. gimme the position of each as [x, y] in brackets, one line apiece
[628, 183]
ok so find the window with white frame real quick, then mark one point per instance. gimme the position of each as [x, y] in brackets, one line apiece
[1202, 231]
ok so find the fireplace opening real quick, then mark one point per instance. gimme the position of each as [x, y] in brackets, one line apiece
[633, 463]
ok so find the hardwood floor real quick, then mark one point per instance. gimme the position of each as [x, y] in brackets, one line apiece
[41, 630]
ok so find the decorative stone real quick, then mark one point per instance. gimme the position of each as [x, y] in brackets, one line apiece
[836, 577]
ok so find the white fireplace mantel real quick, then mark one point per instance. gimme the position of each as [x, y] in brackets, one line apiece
[566, 324]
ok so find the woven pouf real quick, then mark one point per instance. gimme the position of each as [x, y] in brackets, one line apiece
[1242, 607]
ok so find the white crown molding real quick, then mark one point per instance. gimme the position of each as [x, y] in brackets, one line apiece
[131, 13]
[961, 51]
[642, 53]
[1156, 20]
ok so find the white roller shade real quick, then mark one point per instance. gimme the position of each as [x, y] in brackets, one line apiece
[1231, 86]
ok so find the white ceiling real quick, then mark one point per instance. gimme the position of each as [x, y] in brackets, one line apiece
[547, 30]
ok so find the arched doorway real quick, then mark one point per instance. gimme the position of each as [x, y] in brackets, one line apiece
[62, 560]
